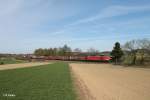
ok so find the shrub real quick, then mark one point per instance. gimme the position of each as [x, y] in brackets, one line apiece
[1, 63]
[127, 60]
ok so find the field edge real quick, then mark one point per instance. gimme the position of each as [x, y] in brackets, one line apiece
[81, 89]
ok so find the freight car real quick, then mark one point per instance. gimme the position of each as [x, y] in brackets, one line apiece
[77, 58]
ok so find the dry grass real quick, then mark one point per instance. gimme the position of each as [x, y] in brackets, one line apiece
[22, 65]
[110, 82]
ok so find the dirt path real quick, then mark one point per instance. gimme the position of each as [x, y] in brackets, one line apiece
[22, 65]
[109, 82]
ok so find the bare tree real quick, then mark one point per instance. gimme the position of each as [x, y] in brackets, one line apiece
[92, 51]
[77, 50]
[144, 44]
[137, 46]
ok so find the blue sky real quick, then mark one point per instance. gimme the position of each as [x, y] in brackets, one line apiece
[29, 24]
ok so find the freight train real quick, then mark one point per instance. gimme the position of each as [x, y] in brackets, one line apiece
[75, 58]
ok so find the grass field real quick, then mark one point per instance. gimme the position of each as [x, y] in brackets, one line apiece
[11, 61]
[46, 82]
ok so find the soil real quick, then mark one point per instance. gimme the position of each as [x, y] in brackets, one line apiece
[111, 82]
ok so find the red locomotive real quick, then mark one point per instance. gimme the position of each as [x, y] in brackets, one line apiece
[98, 58]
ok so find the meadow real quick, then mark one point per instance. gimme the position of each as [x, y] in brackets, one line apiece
[45, 82]
[11, 61]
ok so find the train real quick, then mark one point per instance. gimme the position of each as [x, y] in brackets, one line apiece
[102, 58]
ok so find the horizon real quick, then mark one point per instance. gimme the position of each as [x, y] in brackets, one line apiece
[30, 24]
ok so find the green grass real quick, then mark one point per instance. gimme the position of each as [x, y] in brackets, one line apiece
[46, 82]
[11, 61]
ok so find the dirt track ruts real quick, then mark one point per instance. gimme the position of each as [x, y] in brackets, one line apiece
[110, 82]
[22, 65]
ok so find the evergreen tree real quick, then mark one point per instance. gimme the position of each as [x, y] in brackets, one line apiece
[117, 52]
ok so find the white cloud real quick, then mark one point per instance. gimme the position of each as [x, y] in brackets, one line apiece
[108, 12]
[111, 12]
[20, 17]
[8, 7]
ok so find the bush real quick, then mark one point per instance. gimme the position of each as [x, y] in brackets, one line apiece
[1, 63]
[127, 60]
[140, 60]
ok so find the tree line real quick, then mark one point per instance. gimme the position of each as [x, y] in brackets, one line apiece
[61, 51]
[133, 52]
